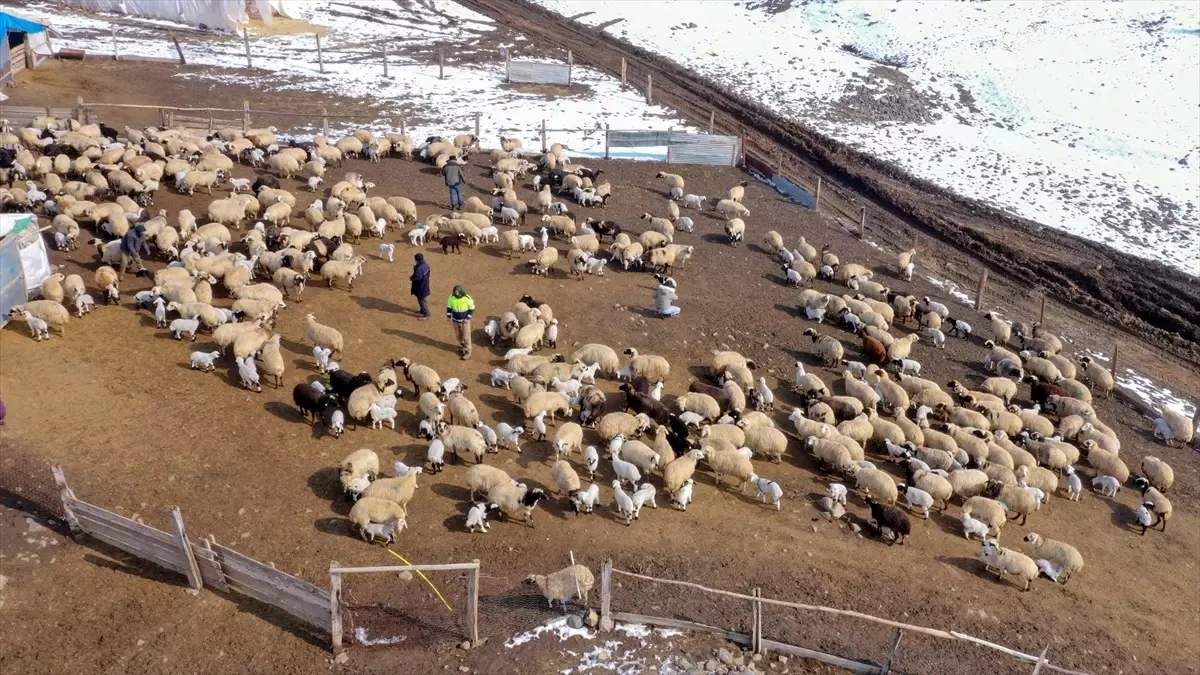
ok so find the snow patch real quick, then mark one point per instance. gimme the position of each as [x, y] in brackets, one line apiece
[952, 289]
[557, 627]
[364, 638]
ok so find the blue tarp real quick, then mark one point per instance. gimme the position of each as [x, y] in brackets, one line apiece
[8, 23]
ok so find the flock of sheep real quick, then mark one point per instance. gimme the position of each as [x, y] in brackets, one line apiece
[973, 443]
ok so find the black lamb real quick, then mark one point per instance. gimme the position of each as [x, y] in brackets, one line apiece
[891, 517]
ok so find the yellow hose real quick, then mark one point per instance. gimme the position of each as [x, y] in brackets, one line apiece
[422, 575]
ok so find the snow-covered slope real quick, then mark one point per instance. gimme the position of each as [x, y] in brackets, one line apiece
[1084, 116]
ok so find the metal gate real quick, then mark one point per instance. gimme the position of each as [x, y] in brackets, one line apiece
[685, 148]
[535, 72]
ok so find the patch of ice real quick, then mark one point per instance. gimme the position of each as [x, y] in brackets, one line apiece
[1153, 395]
[952, 289]
[364, 638]
[557, 627]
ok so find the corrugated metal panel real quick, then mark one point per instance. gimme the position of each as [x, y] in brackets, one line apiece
[639, 139]
[685, 148]
[795, 192]
[532, 72]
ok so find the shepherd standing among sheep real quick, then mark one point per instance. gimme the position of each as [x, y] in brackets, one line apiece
[455, 181]
[420, 285]
[459, 309]
[133, 247]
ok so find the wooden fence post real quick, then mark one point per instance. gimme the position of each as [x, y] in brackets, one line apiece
[779, 163]
[669, 130]
[1042, 311]
[712, 119]
[756, 626]
[116, 51]
[478, 116]
[181, 538]
[178, 49]
[68, 496]
[335, 606]
[570, 66]
[79, 112]
[887, 662]
[320, 55]
[246, 41]
[817, 197]
[1041, 661]
[441, 61]
[862, 223]
[325, 121]
[543, 135]
[982, 288]
[245, 115]
[1112, 367]
[507, 58]
[624, 80]
[649, 89]
[473, 604]
[385, 70]
[403, 126]
[212, 123]
[606, 622]
[606, 130]
[162, 116]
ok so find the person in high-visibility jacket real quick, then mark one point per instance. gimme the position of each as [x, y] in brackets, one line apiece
[459, 310]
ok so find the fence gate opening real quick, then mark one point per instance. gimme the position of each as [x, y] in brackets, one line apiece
[405, 605]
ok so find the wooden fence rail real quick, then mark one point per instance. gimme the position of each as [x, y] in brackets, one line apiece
[757, 642]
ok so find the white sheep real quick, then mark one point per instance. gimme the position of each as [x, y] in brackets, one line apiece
[380, 414]
[1107, 486]
[591, 460]
[972, 526]
[683, 496]
[837, 492]
[622, 501]
[388, 252]
[205, 360]
[181, 327]
[1006, 561]
[477, 516]
[768, 489]
[337, 423]
[1065, 558]
[248, 372]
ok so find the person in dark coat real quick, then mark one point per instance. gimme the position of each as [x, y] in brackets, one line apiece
[133, 247]
[455, 179]
[420, 284]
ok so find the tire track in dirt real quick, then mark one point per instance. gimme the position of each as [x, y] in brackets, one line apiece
[1146, 298]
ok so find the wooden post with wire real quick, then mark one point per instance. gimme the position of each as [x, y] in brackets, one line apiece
[68, 497]
[606, 620]
[478, 117]
[887, 662]
[385, 70]
[178, 49]
[1112, 366]
[624, 66]
[441, 61]
[817, 197]
[606, 130]
[325, 121]
[246, 41]
[473, 604]
[116, 51]
[320, 55]
[982, 288]
[649, 89]
[543, 135]
[862, 223]
[181, 538]
[756, 627]
[1042, 311]
[335, 606]
[712, 119]
[403, 126]
[570, 66]
[245, 116]
[80, 112]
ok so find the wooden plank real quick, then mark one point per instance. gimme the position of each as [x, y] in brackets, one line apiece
[95, 513]
[259, 575]
[1041, 661]
[407, 568]
[316, 615]
[335, 607]
[185, 549]
[67, 496]
[473, 604]
[153, 555]
[982, 289]
[852, 666]
[887, 662]
[210, 569]
[606, 568]
[129, 538]
[626, 617]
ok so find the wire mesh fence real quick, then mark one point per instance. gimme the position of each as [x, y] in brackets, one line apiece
[29, 478]
[634, 595]
[405, 609]
[509, 607]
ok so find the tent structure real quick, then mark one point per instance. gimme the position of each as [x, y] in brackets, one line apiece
[24, 261]
[23, 44]
[224, 15]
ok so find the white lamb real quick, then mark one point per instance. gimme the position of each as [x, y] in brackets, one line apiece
[503, 378]
[239, 185]
[477, 516]
[322, 354]
[248, 372]
[691, 419]
[768, 488]
[683, 496]
[337, 423]
[510, 437]
[489, 436]
[205, 360]
[624, 502]
[644, 495]
[1074, 484]
[591, 460]
[837, 492]
[84, 304]
[918, 498]
[314, 182]
[1107, 486]
[388, 251]
[909, 367]
[527, 242]
[585, 501]
[160, 314]
[585, 374]
[657, 392]
[181, 327]
[380, 414]
[416, 236]
[972, 526]
[38, 328]
[625, 471]
[938, 337]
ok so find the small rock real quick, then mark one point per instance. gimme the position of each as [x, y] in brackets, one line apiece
[711, 665]
[593, 619]
[465, 644]
[3, 581]
[725, 656]
[575, 621]
[405, 576]
[855, 528]
[34, 525]
[826, 515]
[242, 511]
[464, 669]
[685, 664]
[838, 510]
[245, 535]
[342, 657]
[814, 528]
[756, 658]
[783, 659]
[825, 504]
[141, 642]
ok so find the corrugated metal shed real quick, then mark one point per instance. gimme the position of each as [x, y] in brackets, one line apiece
[685, 148]
[534, 72]
[639, 139]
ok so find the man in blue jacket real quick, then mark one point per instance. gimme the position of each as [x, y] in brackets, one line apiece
[420, 285]
[455, 179]
[459, 309]
[133, 246]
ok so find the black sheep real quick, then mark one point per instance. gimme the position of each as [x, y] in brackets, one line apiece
[343, 382]
[677, 426]
[679, 444]
[641, 385]
[312, 403]
[1040, 392]
[452, 241]
[606, 228]
[108, 132]
[529, 301]
[644, 403]
[267, 180]
[891, 517]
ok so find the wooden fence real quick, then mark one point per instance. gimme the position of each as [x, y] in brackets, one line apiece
[758, 643]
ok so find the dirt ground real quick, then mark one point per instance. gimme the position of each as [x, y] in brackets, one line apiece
[138, 432]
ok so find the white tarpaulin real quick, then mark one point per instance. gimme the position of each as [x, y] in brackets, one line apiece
[216, 14]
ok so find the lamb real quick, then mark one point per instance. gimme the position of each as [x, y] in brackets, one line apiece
[1006, 561]
[625, 471]
[1066, 558]
[564, 584]
[181, 327]
[204, 360]
[972, 526]
[1107, 486]
[248, 373]
[477, 516]
[584, 501]
[37, 327]
[768, 489]
[917, 498]
[1074, 484]
[380, 414]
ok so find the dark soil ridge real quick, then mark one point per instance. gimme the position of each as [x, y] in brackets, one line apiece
[1146, 298]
